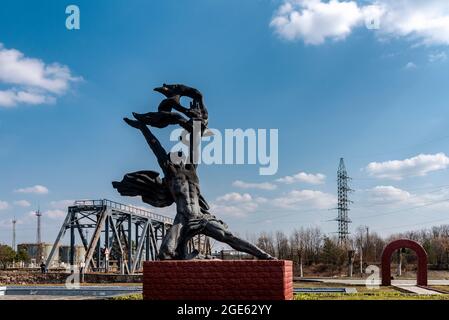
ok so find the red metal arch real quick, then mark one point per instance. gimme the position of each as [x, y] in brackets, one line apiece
[409, 244]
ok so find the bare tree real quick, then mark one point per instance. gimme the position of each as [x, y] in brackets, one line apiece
[298, 247]
[266, 243]
[282, 246]
[309, 247]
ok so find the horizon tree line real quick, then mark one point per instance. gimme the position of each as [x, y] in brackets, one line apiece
[310, 248]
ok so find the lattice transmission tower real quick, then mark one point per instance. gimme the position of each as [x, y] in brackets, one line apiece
[343, 203]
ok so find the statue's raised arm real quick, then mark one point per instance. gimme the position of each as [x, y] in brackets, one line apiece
[197, 110]
[153, 142]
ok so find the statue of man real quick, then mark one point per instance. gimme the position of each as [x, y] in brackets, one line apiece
[164, 117]
[180, 185]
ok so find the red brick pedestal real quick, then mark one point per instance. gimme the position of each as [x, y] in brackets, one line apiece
[218, 280]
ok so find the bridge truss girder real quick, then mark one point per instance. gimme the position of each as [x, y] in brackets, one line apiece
[129, 234]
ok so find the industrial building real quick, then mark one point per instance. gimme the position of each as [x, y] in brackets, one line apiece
[40, 252]
[37, 252]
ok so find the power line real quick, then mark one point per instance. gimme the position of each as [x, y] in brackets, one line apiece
[413, 225]
[25, 228]
[436, 189]
[377, 178]
[294, 221]
[401, 148]
[399, 201]
[401, 210]
[444, 186]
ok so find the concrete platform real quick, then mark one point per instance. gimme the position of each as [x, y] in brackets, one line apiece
[324, 290]
[56, 292]
[416, 290]
[356, 282]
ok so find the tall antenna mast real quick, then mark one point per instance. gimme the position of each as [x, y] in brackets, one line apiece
[343, 203]
[14, 221]
[38, 215]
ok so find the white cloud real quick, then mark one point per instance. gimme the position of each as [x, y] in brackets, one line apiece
[410, 66]
[22, 203]
[396, 200]
[12, 97]
[247, 185]
[234, 210]
[415, 166]
[437, 57]
[169, 211]
[3, 205]
[30, 214]
[37, 189]
[30, 80]
[61, 204]
[241, 204]
[28, 218]
[236, 204]
[52, 214]
[55, 214]
[387, 194]
[235, 197]
[304, 177]
[305, 198]
[438, 199]
[424, 22]
[314, 21]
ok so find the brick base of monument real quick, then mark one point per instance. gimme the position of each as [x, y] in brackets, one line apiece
[218, 280]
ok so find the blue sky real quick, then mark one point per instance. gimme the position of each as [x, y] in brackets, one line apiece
[309, 68]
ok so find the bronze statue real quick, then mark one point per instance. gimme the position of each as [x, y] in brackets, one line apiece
[165, 116]
[180, 184]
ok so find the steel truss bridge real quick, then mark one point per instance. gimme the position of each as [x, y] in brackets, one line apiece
[121, 233]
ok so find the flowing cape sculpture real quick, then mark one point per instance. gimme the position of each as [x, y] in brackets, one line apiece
[180, 184]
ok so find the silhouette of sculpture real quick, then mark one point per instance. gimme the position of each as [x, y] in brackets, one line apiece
[165, 116]
[180, 184]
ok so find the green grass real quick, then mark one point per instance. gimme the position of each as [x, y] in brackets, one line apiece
[376, 295]
[382, 295]
[363, 293]
[135, 296]
[336, 296]
[441, 288]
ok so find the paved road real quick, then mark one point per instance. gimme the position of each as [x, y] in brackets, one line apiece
[417, 290]
[356, 282]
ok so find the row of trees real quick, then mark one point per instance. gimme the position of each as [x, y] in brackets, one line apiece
[436, 243]
[313, 250]
[8, 256]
